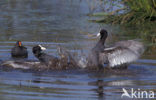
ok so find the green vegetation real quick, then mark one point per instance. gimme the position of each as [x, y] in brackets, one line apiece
[134, 12]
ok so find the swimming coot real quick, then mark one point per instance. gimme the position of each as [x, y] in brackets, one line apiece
[51, 61]
[116, 56]
[19, 51]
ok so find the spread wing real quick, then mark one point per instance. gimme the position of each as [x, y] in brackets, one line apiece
[135, 46]
[117, 55]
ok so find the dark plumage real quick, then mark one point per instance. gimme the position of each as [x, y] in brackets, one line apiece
[51, 61]
[19, 51]
[116, 56]
[93, 58]
[46, 62]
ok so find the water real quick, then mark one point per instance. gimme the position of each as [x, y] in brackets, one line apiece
[63, 22]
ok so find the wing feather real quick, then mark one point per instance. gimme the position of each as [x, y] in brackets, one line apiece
[117, 55]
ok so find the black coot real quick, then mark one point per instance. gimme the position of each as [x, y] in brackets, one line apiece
[51, 61]
[116, 56]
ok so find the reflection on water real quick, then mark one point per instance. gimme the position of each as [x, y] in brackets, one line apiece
[62, 22]
[71, 84]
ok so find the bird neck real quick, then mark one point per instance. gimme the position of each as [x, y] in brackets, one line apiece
[102, 41]
[38, 54]
[19, 46]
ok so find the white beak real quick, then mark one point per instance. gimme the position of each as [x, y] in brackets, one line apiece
[98, 35]
[42, 48]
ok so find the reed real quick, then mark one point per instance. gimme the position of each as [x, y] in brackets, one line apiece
[134, 12]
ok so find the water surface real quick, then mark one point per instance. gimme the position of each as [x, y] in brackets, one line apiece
[64, 22]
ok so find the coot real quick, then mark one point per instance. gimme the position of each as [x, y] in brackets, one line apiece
[52, 62]
[116, 56]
